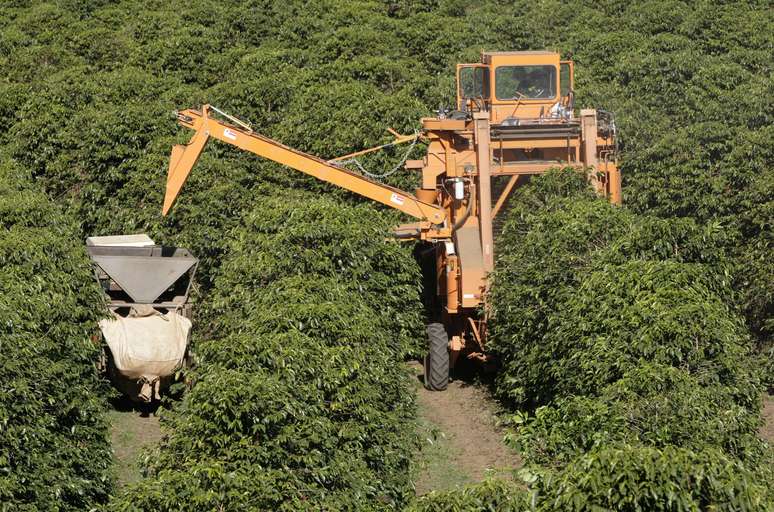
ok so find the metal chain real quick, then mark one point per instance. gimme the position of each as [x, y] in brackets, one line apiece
[395, 169]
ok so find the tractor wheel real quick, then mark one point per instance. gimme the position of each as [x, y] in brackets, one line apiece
[437, 358]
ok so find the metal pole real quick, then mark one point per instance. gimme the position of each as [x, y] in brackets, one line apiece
[589, 134]
[484, 161]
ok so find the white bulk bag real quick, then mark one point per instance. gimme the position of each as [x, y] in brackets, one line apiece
[146, 346]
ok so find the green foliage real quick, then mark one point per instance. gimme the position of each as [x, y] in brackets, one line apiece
[542, 260]
[690, 85]
[623, 330]
[654, 405]
[299, 399]
[90, 89]
[767, 368]
[620, 477]
[307, 236]
[489, 496]
[626, 478]
[577, 274]
[85, 103]
[661, 312]
[54, 449]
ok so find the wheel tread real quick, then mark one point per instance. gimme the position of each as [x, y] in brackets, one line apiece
[437, 359]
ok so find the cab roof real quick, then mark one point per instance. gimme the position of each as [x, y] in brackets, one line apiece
[530, 52]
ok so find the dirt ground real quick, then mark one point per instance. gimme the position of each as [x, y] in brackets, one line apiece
[767, 430]
[464, 443]
[132, 428]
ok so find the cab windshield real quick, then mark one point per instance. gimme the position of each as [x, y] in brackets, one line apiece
[529, 82]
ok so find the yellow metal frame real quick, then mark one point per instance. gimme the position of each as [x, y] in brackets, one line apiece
[460, 67]
[572, 75]
[459, 160]
[184, 157]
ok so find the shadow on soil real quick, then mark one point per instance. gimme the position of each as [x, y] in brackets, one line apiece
[124, 404]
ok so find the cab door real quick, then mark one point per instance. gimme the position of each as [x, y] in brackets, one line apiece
[473, 87]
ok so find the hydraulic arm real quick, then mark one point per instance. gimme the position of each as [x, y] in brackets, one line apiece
[184, 157]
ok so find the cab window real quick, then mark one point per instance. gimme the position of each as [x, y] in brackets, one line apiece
[474, 82]
[565, 82]
[529, 82]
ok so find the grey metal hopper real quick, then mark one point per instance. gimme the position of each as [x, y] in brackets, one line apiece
[130, 266]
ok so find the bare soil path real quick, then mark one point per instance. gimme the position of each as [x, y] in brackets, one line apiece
[132, 428]
[463, 443]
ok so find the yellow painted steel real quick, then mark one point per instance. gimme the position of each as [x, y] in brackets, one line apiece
[504, 194]
[180, 164]
[493, 138]
[185, 157]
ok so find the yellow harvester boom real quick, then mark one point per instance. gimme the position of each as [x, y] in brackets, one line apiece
[515, 117]
[184, 157]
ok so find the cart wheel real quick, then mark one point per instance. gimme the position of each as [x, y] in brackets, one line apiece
[437, 358]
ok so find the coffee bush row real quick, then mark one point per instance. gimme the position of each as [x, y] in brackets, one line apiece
[54, 447]
[621, 330]
[300, 400]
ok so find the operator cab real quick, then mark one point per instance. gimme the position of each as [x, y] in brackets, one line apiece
[517, 87]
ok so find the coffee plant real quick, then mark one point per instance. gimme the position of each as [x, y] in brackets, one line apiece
[298, 388]
[54, 448]
[489, 496]
[625, 336]
[619, 477]
[623, 330]
[629, 478]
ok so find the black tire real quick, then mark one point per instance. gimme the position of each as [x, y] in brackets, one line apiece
[437, 358]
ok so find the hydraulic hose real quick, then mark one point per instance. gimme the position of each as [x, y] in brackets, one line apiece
[461, 221]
